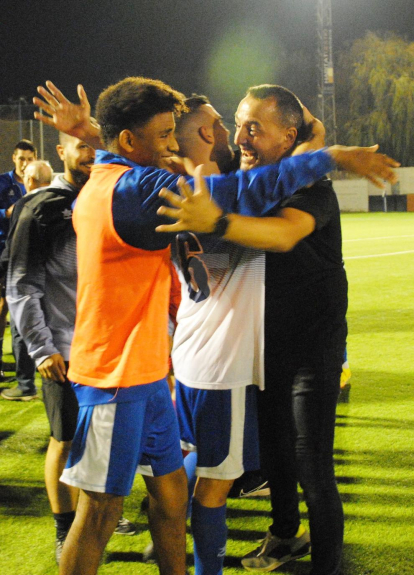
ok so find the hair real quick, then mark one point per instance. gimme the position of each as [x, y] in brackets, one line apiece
[289, 109]
[26, 145]
[131, 103]
[193, 104]
[42, 171]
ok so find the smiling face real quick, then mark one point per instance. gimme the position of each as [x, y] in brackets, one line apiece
[260, 135]
[154, 143]
[78, 160]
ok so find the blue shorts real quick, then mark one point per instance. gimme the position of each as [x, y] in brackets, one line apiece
[121, 432]
[221, 425]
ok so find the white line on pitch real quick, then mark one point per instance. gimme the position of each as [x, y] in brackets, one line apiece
[378, 255]
[380, 238]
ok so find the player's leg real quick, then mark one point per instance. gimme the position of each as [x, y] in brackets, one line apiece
[62, 410]
[225, 432]
[167, 519]
[96, 518]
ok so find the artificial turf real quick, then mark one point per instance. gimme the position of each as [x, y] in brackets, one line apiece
[373, 448]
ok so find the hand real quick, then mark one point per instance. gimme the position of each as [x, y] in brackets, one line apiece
[72, 119]
[315, 134]
[193, 211]
[53, 368]
[365, 162]
[9, 211]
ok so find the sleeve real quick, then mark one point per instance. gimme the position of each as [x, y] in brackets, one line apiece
[256, 192]
[26, 286]
[260, 191]
[319, 201]
[4, 186]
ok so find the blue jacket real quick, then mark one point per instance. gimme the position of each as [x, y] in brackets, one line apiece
[10, 191]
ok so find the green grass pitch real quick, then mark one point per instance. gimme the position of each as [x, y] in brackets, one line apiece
[374, 448]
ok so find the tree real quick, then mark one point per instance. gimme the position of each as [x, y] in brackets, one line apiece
[375, 87]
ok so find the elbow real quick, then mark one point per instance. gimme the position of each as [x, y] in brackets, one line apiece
[284, 245]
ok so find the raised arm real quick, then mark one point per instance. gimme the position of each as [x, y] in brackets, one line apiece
[72, 119]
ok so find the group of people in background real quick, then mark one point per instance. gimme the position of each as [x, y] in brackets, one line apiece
[257, 248]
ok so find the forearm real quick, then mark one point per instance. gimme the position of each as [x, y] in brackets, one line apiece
[275, 234]
[92, 135]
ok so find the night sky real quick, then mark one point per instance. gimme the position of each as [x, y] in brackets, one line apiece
[217, 47]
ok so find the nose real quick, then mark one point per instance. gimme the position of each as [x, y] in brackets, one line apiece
[173, 144]
[240, 137]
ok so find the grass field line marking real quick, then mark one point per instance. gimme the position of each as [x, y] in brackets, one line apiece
[20, 412]
[378, 255]
[380, 238]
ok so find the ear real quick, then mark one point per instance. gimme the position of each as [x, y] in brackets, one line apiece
[61, 152]
[206, 134]
[290, 136]
[126, 140]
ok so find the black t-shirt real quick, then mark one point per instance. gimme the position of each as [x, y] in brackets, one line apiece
[306, 289]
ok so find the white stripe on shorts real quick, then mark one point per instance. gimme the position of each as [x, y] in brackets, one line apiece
[232, 466]
[91, 472]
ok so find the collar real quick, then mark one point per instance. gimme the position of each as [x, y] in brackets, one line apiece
[104, 157]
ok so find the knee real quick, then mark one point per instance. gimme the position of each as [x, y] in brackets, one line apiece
[212, 492]
[168, 495]
[99, 509]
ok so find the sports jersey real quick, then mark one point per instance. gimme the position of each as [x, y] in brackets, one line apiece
[220, 339]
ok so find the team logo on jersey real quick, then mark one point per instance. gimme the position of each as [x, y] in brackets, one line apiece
[67, 214]
[194, 269]
[222, 552]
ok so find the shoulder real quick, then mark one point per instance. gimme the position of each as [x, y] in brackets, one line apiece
[49, 205]
[6, 181]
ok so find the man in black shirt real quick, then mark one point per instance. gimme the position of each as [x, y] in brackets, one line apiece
[305, 331]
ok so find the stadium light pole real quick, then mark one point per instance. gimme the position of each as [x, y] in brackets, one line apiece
[326, 85]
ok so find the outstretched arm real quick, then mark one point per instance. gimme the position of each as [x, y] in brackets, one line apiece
[72, 119]
[199, 213]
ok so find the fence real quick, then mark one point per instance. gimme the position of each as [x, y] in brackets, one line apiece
[16, 123]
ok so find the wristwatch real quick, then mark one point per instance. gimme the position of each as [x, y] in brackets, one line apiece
[221, 225]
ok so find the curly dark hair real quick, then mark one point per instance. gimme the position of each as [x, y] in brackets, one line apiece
[132, 102]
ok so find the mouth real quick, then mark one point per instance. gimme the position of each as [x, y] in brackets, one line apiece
[248, 157]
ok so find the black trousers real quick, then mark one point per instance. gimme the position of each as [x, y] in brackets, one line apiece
[297, 423]
[25, 366]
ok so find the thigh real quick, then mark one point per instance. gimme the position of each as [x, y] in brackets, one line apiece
[221, 425]
[115, 440]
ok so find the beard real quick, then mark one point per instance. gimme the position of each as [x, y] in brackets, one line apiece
[80, 178]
